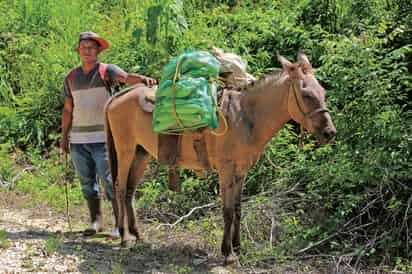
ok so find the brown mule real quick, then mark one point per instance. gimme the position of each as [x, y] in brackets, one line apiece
[260, 112]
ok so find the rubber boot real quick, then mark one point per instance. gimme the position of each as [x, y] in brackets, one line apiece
[96, 216]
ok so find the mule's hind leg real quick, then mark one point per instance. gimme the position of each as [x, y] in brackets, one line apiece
[135, 176]
[125, 157]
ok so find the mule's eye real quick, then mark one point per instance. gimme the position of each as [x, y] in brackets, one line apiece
[305, 92]
[307, 95]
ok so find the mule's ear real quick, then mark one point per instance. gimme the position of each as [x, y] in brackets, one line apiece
[304, 62]
[217, 51]
[284, 62]
[292, 70]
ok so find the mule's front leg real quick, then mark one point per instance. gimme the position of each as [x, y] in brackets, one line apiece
[227, 234]
[231, 187]
[237, 192]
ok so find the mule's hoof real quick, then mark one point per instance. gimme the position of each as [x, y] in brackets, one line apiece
[136, 236]
[128, 243]
[231, 259]
[139, 239]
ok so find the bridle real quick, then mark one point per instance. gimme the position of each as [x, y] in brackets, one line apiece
[306, 115]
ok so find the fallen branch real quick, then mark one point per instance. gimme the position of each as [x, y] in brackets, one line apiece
[187, 215]
[272, 228]
[288, 191]
[248, 231]
[4, 183]
[270, 161]
[277, 195]
[312, 245]
[14, 179]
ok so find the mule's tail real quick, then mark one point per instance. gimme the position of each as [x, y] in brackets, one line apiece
[111, 150]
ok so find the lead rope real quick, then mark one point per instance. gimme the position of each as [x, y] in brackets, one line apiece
[302, 137]
[305, 115]
[302, 128]
[219, 111]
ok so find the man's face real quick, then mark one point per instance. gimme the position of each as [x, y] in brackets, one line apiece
[88, 50]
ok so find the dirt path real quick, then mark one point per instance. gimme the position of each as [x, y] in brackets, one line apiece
[39, 242]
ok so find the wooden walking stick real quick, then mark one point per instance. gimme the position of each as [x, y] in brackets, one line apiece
[66, 190]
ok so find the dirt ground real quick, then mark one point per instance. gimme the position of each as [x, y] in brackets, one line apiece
[38, 240]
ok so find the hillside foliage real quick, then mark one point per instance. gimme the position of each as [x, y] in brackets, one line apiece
[352, 198]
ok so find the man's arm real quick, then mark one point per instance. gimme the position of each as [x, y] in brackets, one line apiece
[134, 78]
[66, 124]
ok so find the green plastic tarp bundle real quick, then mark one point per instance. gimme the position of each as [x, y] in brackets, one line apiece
[193, 64]
[186, 97]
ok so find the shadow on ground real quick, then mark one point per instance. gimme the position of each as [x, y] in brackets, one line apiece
[101, 255]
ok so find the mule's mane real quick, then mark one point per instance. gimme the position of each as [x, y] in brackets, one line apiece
[257, 86]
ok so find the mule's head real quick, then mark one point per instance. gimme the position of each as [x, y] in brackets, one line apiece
[306, 99]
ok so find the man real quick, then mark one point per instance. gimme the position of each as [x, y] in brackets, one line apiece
[86, 90]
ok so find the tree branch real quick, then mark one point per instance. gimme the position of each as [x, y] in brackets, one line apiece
[187, 215]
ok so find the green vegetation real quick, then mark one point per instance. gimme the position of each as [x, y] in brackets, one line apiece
[40, 175]
[352, 198]
[4, 241]
[51, 245]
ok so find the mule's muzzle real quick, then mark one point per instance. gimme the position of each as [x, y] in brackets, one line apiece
[328, 135]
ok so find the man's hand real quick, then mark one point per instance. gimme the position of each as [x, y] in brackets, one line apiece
[149, 81]
[64, 145]
[134, 78]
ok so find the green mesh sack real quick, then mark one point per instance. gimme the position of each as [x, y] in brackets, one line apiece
[187, 104]
[186, 97]
[192, 64]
